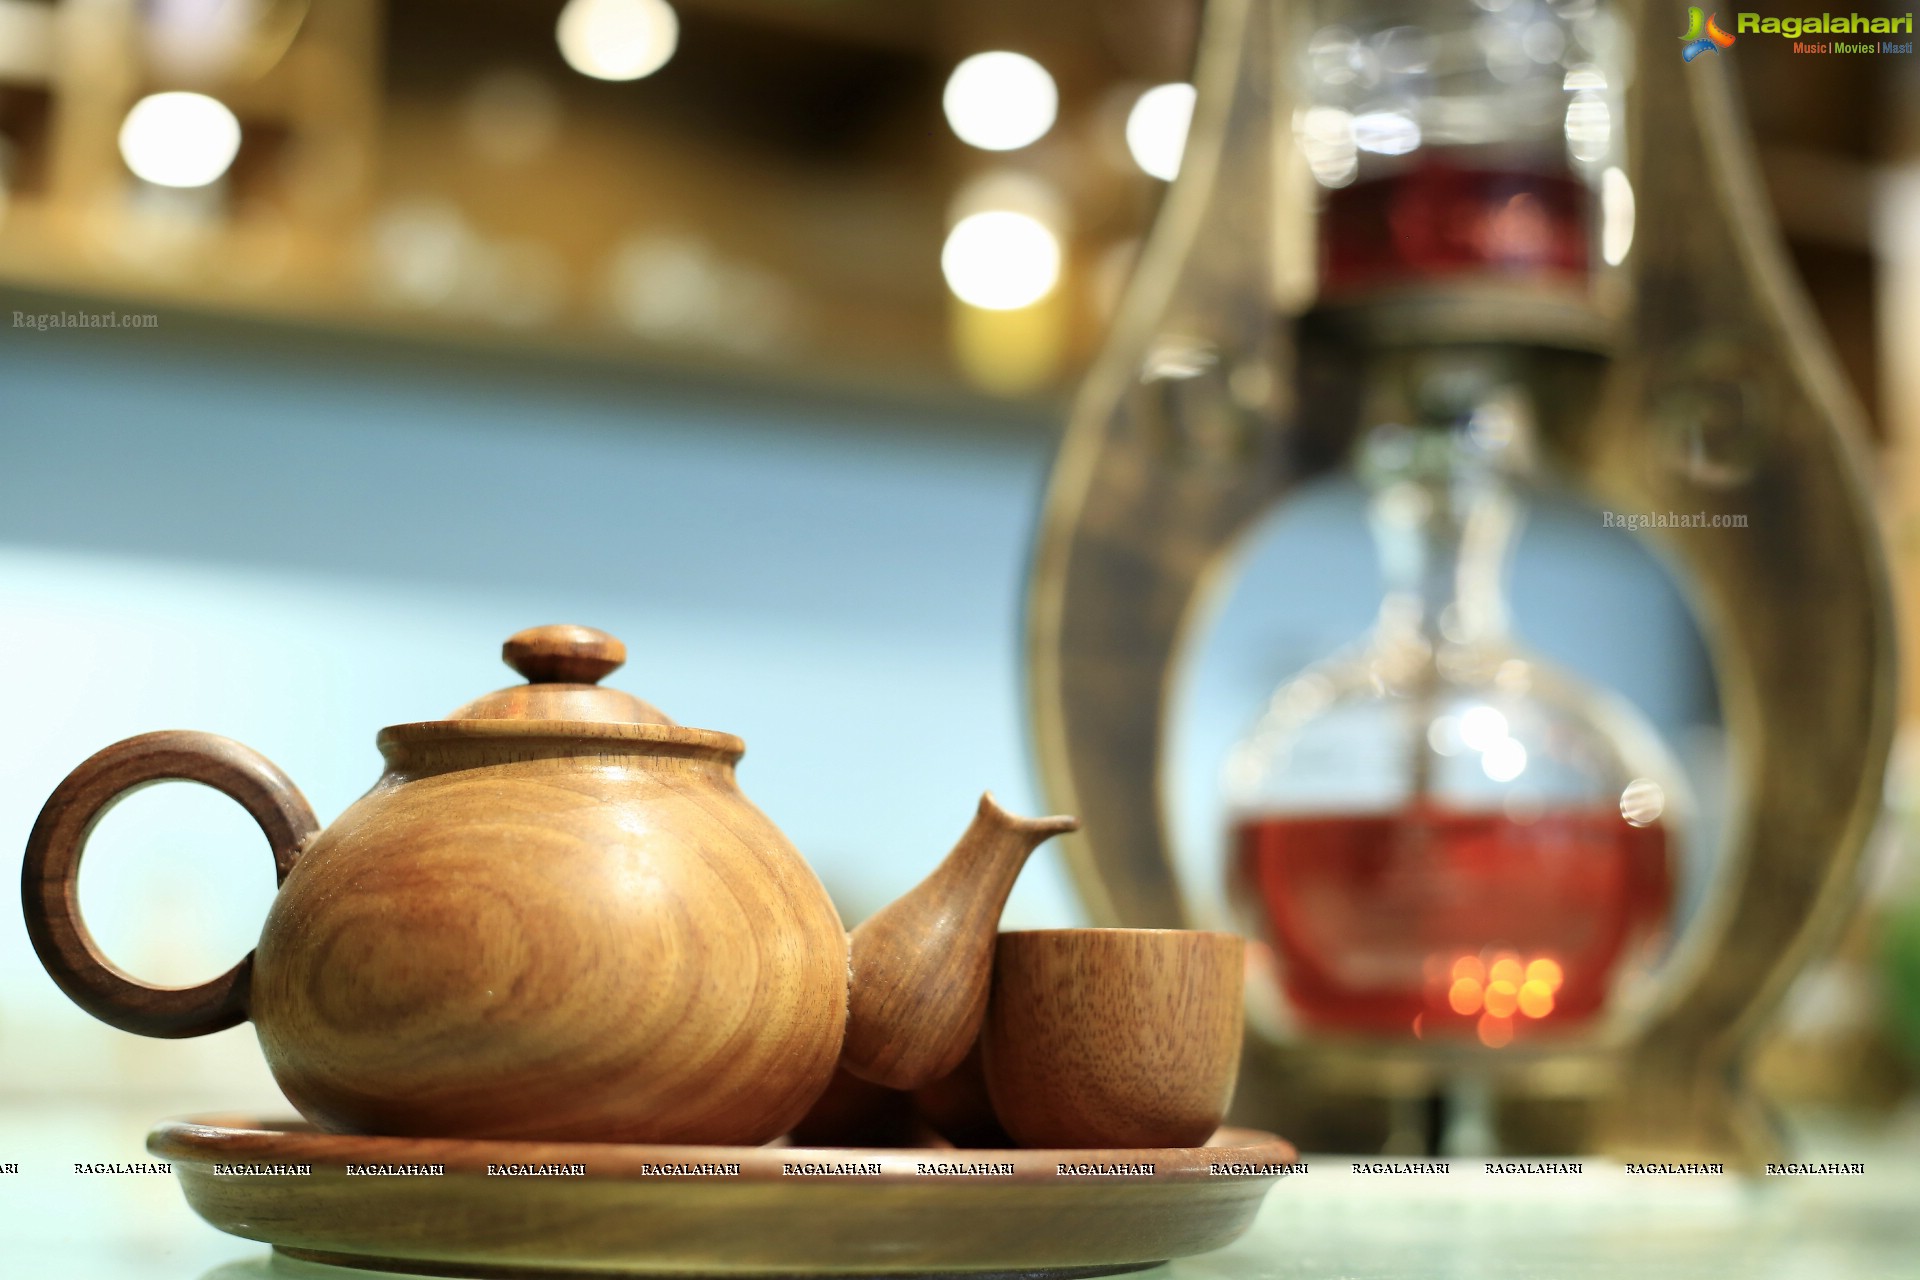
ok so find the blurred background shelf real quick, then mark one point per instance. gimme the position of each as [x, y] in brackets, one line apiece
[773, 198]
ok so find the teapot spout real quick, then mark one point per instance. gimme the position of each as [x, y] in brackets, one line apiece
[922, 964]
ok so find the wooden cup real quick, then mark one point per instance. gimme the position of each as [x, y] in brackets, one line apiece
[1113, 1037]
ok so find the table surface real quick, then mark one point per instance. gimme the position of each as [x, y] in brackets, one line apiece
[1331, 1224]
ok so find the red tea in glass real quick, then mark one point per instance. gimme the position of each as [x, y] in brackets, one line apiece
[1468, 921]
[1439, 220]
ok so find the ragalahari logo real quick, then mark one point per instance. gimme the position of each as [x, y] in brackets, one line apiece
[1703, 34]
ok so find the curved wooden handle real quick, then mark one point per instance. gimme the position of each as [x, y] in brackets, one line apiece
[49, 883]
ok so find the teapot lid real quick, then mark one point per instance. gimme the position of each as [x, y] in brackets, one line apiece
[563, 666]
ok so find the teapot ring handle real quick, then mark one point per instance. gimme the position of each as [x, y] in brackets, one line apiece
[49, 882]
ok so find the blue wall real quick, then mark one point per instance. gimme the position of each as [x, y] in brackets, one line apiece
[296, 540]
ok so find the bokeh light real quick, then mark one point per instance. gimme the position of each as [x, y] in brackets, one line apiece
[1481, 727]
[1642, 802]
[179, 139]
[1157, 129]
[1000, 101]
[1616, 216]
[618, 39]
[1494, 987]
[1505, 760]
[1000, 260]
[1327, 141]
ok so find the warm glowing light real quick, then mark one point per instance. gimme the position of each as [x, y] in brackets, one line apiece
[1419, 1026]
[1000, 260]
[1000, 101]
[179, 139]
[1157, 129]
[617, 39]
[1642, 803]
[1499, 990]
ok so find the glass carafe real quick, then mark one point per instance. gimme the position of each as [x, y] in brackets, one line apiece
[1440, 835]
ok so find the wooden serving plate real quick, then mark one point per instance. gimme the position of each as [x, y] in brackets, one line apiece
[638, 1210]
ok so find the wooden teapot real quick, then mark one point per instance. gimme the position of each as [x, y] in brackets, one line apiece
[555, 916]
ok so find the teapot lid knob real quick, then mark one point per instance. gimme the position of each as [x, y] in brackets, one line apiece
[563, 666]
[563, 654]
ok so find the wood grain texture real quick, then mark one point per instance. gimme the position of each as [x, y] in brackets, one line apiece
[563, 654]
[563, 665]
[527, 932]
[553, 917]
[1113, 1037]
[922, 964]
[49, 881]
[623, 1217]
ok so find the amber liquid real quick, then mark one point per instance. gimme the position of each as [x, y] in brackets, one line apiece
[1409, 922]
[1440, 221]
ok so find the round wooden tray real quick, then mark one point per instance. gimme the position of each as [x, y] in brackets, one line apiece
[639, 1210]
